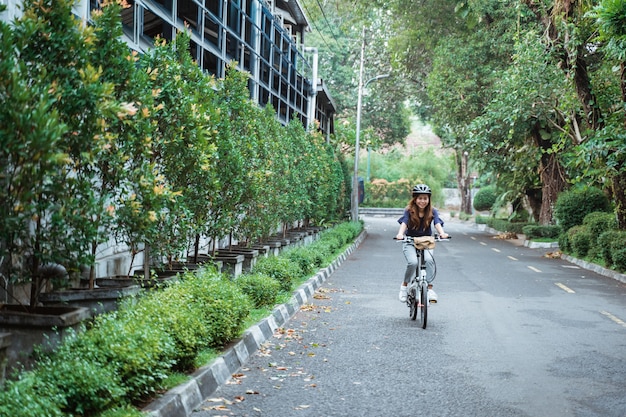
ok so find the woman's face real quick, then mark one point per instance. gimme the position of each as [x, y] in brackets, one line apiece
[422, 200]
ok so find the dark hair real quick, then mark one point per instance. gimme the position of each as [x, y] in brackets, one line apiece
[414, 219]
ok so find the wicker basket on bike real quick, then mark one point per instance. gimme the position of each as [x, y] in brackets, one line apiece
[424, 242]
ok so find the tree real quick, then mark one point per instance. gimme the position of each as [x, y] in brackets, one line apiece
[52, 50]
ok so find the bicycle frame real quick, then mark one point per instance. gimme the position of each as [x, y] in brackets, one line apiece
[417, 290]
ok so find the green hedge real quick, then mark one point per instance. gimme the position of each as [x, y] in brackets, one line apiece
[505, 226]
[126, 356]
[573, 205]
[535, 231]
[597, 239]
[485, 198]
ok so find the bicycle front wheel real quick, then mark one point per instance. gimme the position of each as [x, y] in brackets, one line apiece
[413, 298]
[423, 304]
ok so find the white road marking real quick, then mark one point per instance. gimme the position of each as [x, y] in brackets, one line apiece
[565, 288]
[532, 268]
[512, 258]
[614, 318]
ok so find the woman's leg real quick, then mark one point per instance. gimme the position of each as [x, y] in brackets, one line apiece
[430, 265]
[411, 261]
[411, 266]
[431, 270]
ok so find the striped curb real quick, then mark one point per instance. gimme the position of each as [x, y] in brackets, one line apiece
[182, 400]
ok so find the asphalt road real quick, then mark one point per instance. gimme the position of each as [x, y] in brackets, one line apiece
[515, 333]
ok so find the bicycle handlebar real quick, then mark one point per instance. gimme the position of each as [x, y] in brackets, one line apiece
[410, 239]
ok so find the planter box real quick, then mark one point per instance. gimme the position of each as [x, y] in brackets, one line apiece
[250, 256]
[97, 300]
[116, 281]
[264, 250]
[231, 264]
[274, 246]
[45, 327]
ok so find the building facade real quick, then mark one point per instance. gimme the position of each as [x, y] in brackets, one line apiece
[264, 37]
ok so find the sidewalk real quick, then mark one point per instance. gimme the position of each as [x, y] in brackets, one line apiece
[183, 399]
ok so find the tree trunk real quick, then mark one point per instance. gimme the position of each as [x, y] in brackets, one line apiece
[553, 182]
[534, 201]
[463, 181]
[619, 194]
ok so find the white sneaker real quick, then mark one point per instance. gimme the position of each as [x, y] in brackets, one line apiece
[402, 295]
[432, 297]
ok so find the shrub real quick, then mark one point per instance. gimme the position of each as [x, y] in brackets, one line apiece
[222, 304]
[29, 396]
[573, 205]
[88, 386]
[283, 270]
[564, 243]
[175, 312]
[505, 225]
[321, 253]
[605, 244]
[485, 198]
[303, 257]
[599, 222]
[261, 289]
[619, 259]
[581, 239]
[534, 231]
[617, 248]
[131, 344]
[481, 220]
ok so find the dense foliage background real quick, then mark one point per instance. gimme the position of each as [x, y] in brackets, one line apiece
[531, 90]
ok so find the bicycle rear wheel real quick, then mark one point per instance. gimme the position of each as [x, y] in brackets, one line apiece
[413, 301]
[423, 294]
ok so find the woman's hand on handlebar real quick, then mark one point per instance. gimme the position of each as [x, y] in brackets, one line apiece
[399, 236]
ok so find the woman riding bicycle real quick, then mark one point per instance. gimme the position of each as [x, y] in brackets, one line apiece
[419, 215]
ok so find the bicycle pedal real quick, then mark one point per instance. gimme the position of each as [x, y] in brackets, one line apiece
[432, 301]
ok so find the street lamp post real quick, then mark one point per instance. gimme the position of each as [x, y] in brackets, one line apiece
[354, 214]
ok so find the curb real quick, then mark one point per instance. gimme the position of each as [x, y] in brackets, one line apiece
[581, 263]
[595, 268]
[182, 400]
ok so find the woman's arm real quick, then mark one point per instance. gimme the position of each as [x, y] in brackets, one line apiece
[401, 231]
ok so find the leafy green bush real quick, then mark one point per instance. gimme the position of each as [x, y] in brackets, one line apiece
[283, 270]
[485, 198]
[127, 355]
[605, 243]
[88, 386]
[321, 253]
[534, 231]
[219, 303]
[619, 258]
[261, 289]
[573, 205]
[599, 222]
[502, 225]
[303, 257]
[29, 396]
[580, 239]
[129, 343]
[481, 220]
